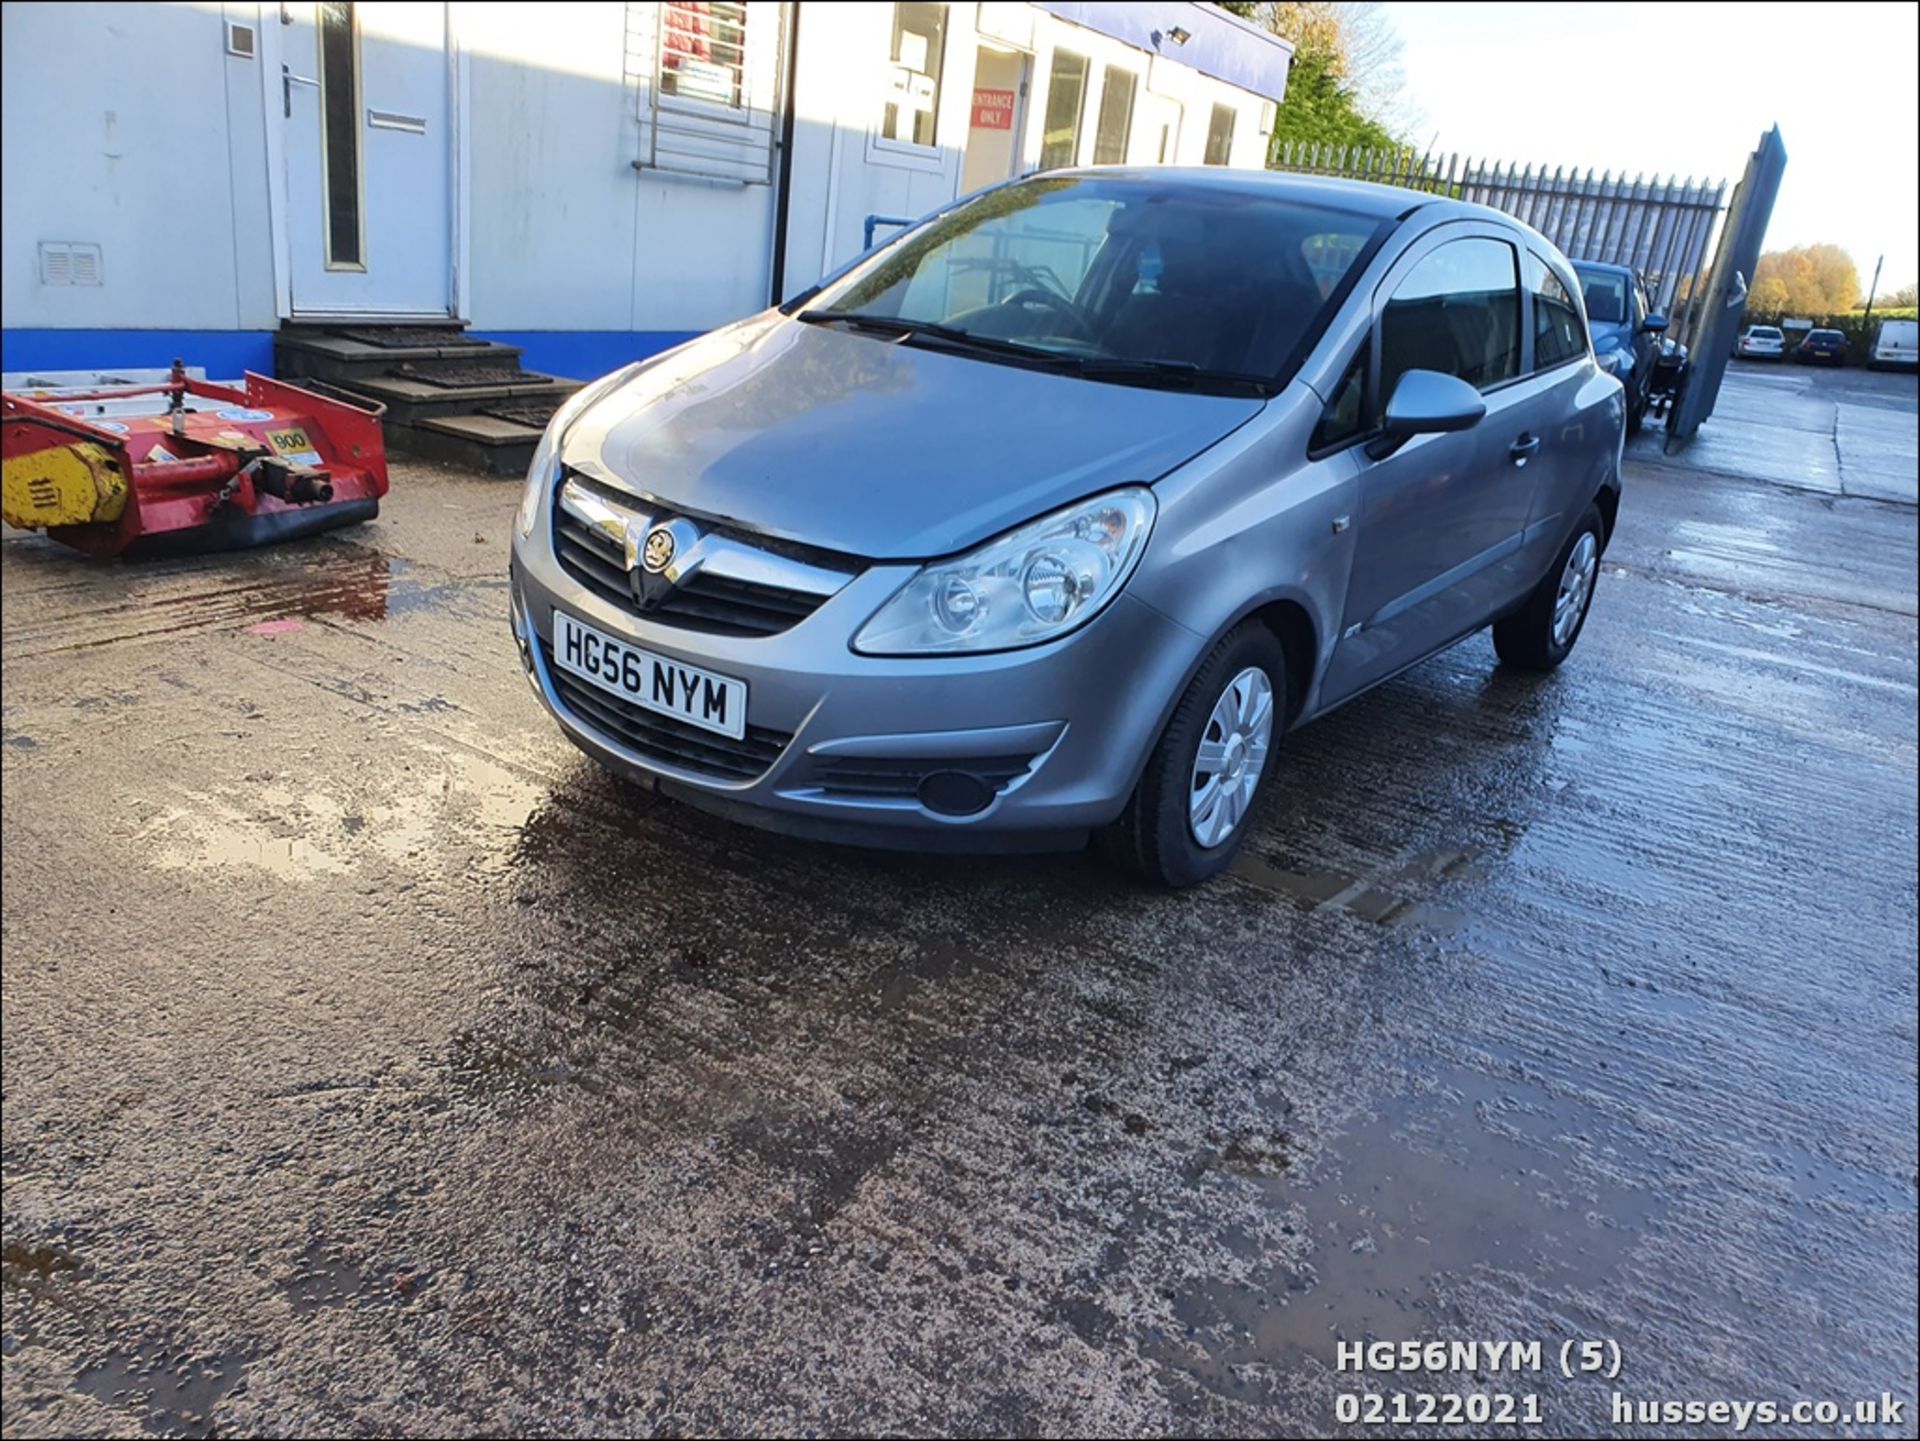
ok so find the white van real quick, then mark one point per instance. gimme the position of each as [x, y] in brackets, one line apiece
[1897, 342]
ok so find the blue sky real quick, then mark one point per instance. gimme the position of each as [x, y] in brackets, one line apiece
[1630, 87]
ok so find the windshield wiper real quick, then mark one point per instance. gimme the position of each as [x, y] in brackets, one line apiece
[933, 330]
[1180, 374]
[1162, 374]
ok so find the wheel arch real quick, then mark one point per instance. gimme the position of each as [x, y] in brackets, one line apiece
[1291, 620]
[1607, 502]
[1292, 625]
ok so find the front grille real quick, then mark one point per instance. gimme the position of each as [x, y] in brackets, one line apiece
[664, 739]
[709, 603]
[900, 777]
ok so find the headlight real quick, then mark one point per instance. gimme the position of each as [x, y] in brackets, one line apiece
[547, 452]
[1031, 585]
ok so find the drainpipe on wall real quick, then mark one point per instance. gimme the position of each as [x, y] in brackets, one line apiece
[783, 197]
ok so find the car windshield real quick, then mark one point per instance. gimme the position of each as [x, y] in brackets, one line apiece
[1606, 295]
[1765, 332]
[1827, 335]
[1117, 279]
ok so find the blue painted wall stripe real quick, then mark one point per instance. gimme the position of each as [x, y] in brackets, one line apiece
[224, 353]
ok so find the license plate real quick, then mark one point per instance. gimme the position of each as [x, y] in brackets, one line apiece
[652, 682]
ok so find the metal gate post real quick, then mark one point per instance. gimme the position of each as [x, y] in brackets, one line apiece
[1711, 346]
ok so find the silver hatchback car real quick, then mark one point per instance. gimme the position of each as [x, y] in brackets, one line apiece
[1050, 517]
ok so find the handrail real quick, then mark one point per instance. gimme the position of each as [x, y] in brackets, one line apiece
[872, 220]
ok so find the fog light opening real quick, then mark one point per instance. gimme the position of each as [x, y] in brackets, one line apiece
[954, 793]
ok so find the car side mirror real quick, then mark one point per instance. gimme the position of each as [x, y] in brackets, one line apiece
[1654, 324]
[1426, 402]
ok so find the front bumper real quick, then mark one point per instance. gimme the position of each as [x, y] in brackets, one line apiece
[1054, 736]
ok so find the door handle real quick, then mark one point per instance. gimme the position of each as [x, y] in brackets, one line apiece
[287, 81]
[1522, 450]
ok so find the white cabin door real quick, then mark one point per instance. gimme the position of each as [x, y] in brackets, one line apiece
[367, 100]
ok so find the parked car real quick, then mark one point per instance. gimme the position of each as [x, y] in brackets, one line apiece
[1822, 346]
[1627, 336]
[1761, 342]
[1896, 343]
[1054, 514]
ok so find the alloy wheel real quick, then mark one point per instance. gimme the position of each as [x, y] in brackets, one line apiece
[1576, 585]
[1231, 758]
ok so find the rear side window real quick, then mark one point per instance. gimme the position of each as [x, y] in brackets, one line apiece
[1457, 312]
[1559, 335]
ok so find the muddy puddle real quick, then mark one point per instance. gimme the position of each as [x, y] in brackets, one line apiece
[455, 796]
[278, 592]
[1480, 1182]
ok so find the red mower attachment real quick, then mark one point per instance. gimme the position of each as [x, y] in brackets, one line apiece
[187, 465]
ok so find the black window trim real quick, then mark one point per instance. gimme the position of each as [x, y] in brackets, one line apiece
[1369, 421]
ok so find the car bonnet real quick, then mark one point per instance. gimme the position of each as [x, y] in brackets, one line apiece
[874, 448]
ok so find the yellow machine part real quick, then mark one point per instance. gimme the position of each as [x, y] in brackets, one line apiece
[62, 485]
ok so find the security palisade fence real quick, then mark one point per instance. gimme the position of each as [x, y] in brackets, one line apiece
[1664, 229]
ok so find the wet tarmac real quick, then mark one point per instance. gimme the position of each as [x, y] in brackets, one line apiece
[373, 1062]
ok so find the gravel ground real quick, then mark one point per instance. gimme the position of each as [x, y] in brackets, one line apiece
[374, 1063]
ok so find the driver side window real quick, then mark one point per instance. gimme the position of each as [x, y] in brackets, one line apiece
[1457, 312]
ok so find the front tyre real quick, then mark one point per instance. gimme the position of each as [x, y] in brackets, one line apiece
[1210, 768]
[1541, 633]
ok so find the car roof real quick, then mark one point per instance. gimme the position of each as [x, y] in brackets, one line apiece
[1602, 266]
[1824, 330]
[1380, 201]
[1376, 202]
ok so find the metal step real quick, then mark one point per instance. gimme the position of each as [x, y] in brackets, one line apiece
[409, 402]
[318, 325]
[334, 357]
[473, 442]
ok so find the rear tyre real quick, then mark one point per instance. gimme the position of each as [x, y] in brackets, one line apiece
[1209, 769]
[1541, 633]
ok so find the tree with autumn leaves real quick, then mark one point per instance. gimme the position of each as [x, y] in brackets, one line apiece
[1815, 281]
[1345, 87]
